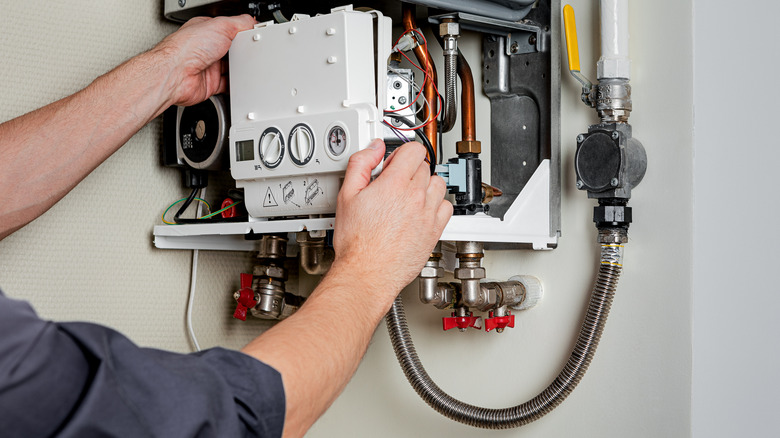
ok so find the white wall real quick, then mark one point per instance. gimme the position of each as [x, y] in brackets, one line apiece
[736, 208]
[91, 258]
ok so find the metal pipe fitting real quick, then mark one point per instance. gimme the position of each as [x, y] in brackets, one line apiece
[470, 272]
[468, 124]
[429, 276]
[613, 100]
[269, 294]
[316, 257]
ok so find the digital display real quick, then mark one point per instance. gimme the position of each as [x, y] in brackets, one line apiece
[245, 150]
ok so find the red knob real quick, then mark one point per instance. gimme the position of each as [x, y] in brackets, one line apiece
[462, 322]
[246, 297]
[501, 322]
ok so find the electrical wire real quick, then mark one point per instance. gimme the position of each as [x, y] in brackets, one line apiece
[165, 221]
[428, 72]
[191, 299]
[424, 138]
[220, 210]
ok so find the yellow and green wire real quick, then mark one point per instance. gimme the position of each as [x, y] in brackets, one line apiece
[208, 206]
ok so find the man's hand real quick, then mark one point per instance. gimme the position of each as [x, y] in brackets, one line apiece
[194, 56]
[386, 228]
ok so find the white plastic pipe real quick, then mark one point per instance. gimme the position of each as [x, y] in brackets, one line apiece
[614, 62]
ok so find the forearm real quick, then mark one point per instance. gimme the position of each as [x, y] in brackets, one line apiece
[318, 349]
[49, 151]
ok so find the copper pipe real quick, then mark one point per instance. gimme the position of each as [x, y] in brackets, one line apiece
[424, 58]
[468, 123]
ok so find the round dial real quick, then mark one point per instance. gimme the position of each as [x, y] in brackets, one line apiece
[301, 143]
[271, 147]
[337, 140]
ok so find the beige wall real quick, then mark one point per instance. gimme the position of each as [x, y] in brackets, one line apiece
[91, 257]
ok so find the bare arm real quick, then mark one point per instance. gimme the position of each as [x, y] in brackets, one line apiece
[384, 233]
[71, 137]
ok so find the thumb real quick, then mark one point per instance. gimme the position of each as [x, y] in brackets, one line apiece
[359, 168]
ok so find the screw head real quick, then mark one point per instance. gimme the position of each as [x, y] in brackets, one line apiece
[532, 40]
[514, 48]
[615, 135]
[580, 184]
[182, 3]
[580, 138]
[614, 182]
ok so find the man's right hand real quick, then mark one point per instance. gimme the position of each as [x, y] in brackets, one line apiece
[387, 228]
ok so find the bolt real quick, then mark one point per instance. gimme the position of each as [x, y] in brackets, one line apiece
[402, 100]
[514, 48]
[532, 40]
[182, 3]
[614, 182]
[580, 184]
[580, 138]
[615, 135]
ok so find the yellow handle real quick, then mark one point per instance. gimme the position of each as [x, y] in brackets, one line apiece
[572, 47]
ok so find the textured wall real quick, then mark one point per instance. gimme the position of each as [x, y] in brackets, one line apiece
[91, 256]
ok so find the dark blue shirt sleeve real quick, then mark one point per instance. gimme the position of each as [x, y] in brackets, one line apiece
[85, 380]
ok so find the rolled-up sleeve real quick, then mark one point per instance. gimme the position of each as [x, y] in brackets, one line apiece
[85, 380]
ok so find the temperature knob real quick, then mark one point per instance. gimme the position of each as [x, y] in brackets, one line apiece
[301, 143]
[337, 141]
[271, 147]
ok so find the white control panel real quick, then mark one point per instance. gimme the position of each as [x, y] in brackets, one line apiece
[303, 99]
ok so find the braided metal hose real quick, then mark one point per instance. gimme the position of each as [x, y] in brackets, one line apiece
[547, 400]
[450, 111]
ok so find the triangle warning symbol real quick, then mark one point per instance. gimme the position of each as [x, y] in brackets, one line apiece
[269, 200]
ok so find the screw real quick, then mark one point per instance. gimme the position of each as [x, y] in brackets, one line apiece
[402, 100]
[532, 40]
[397, 85]
[615, 135]
[514, 48]
[614, 182]
[236, 295]
[499, 330]
[580, 184]
[182, 3]
[580, 138]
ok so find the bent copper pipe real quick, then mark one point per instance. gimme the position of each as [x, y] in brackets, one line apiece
[424, 58]
[468, 123]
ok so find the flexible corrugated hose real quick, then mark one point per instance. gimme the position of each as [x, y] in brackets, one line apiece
[450, 92]
[547, 400]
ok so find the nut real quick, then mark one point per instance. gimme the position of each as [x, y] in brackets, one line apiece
[470, 273]
[431, 272]
[449, 29]
[468, 147]
[270, 271]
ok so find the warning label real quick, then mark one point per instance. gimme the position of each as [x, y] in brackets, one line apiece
[269, 200]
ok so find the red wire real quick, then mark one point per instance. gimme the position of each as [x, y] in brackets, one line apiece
[428, 76]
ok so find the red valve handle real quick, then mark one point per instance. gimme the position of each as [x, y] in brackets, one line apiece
[246, 297]
[461, 322]
[499, 322]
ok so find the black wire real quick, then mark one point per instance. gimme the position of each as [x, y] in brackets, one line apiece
[184, 206]
[425, 140]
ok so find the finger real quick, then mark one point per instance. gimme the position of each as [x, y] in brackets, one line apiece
[435, 193]
[359, 168]
[223, 85]
[443, 215]
[422, 177]
[405, 163]
[234, 25]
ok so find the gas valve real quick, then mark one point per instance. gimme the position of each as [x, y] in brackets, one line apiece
[462, 322]
[499, 322]
[245, 297]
